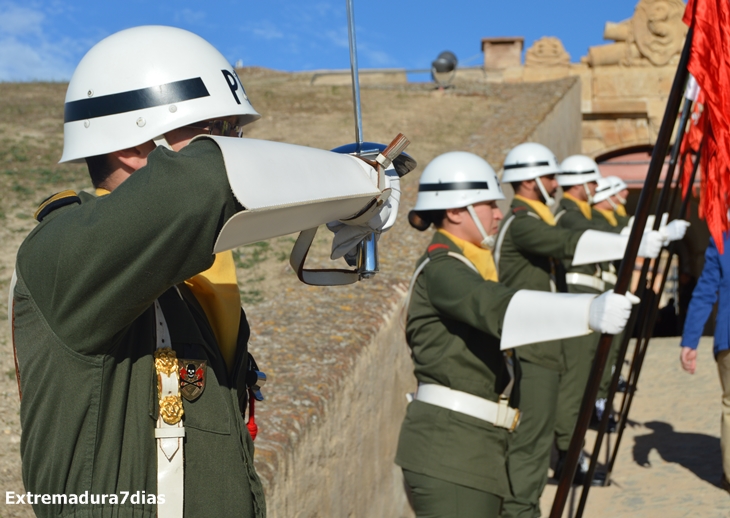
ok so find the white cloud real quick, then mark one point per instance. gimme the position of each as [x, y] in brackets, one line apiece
[190, 17]
[266, 30]
[376, 58]
[339, 37]
[29, 48]
[23, 62]
[16, 20]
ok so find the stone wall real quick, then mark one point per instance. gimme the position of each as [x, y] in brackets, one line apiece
[343, 466]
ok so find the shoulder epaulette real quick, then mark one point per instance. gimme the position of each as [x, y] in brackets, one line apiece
[437, 246]
[54, 202]
[515, 210]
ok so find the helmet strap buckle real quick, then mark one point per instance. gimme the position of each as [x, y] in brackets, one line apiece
[487, 241]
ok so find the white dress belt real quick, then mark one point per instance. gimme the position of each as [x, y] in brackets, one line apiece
[499, 414]
[609, 277]
[169, 435]
[589, 281]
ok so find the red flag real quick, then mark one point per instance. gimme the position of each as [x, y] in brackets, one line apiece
[691, 141]
[709, 63]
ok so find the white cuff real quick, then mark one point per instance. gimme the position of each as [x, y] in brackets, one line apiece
[597, 247]
[541, 316]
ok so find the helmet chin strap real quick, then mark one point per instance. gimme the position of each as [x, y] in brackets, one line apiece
[611, 202]
[621, 200]
[488, 241]
[161, 141]
[549, 200]
[589, 196]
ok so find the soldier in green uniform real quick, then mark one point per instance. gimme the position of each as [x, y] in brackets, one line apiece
[578, 179]
[461, 327]
[129, 353]
[528, 254]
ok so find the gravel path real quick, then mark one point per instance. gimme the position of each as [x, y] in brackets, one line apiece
[669, 462]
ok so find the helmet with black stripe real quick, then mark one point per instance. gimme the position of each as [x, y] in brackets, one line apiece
[136, 85]
[456, 180]
[579, 170]
[530, 161]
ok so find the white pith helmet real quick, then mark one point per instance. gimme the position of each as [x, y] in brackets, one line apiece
[457, 179]
[140, 83]
[578, 169]
[529, 161]
[617, 183]
[604, 190]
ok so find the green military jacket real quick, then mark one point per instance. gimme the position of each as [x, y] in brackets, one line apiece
[454, 323]
[88, 275]
[530, 251]
[569, 216]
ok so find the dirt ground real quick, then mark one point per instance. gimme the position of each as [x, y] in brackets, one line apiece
[669, 463]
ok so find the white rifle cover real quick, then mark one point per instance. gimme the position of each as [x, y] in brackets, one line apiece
[597, 247]
[287, 188]
[541, 316]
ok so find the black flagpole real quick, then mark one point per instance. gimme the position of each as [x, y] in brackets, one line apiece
[615, 378]
[624, 277]
[642, 345]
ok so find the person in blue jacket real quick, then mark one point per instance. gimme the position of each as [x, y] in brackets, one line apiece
[713, 285]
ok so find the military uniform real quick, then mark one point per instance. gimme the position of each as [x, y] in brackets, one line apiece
[454, 322]
[578, 352]
[617, 222]
[87, 277]
[529, 258]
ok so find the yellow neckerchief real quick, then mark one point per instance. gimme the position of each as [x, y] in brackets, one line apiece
[216, 290]
[609, 215]
[482, 259]
[542, 210]
[621, 210]
[584, 206]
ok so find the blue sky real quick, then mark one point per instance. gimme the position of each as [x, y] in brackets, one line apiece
[45, 39]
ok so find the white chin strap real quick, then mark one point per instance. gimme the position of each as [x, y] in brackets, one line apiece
[488, 241]
[621, 200]
[549, 200]
[161, 141]
[611, 202]
[589, 196]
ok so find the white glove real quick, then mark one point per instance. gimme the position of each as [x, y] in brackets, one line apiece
[610, 312]
[347, 236]
[651, 244]
[674, 231]
[649, 224]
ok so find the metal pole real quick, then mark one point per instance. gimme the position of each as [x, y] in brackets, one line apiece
[367, 250]
[355, 73]
[624, 277]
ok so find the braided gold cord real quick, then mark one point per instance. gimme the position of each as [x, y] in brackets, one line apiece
[165, 361]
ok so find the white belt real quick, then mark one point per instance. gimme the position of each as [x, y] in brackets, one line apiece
[589, 281]
[170, 431]
[499, 414]
[609, 277]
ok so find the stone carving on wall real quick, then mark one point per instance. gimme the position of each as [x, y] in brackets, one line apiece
[652, 37]
[547, 52]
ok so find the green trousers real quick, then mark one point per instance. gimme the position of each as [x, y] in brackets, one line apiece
[611, 363]
[578, 354]
[435, 498]
[528, 456]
